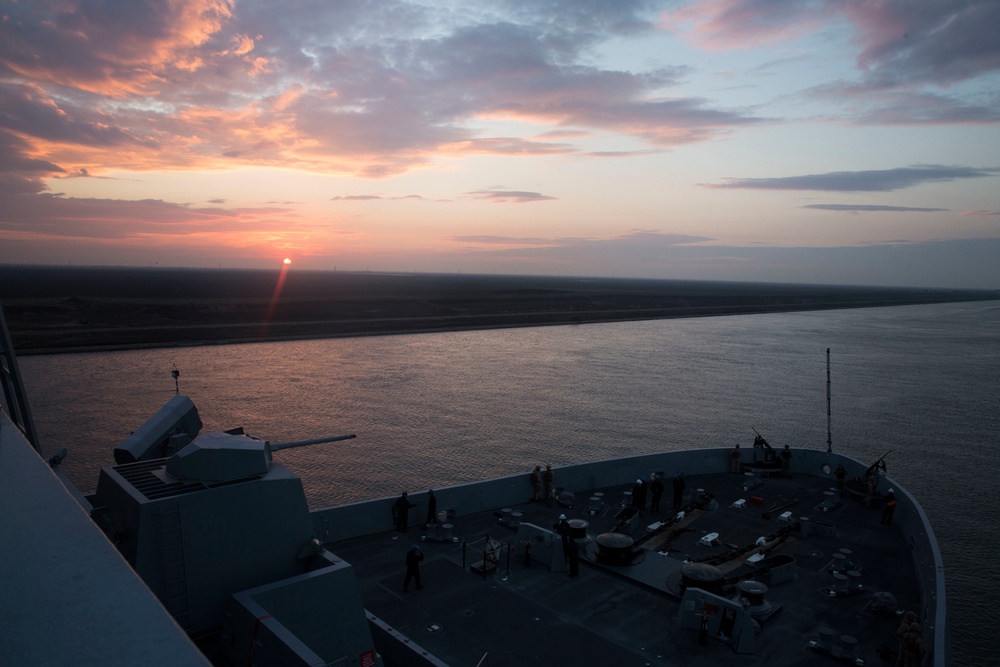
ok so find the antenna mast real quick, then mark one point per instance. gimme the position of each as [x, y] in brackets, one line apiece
[829, 441]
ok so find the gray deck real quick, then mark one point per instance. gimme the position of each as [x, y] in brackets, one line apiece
[628, 615]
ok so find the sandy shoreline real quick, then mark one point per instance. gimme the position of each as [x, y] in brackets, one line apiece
[56, 310]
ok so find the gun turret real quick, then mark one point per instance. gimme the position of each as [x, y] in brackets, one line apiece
[222, 457]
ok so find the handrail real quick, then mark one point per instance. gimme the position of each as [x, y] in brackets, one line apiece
[15, 400]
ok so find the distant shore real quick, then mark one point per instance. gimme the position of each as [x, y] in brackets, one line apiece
[65, 309]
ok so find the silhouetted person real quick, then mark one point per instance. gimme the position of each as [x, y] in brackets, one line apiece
[536, 483]
[734, 459]
[841, 474]
[639, 495]
[432, 505]
[413, 558]
[913, 647]
[901, 631]
[402, 506]
[786, 461]
[548, 482]
[888, 507]
[656, 492]
[679, 485]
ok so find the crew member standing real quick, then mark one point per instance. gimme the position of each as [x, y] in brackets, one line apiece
[841, 474]
[888, 507]
[413, 558]
[786, 461]
[403, 506]
[548, 482]
[734, 459]
[678, 490]
[536, 483]
[901, 631]
[639, 495]
[656, 492]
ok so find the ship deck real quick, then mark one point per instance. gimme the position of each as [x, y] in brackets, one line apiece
[530, 613]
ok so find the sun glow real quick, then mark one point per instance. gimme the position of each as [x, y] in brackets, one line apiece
[277, 289]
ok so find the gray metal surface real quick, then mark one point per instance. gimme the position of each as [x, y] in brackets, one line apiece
[632, 614]
[68, 596]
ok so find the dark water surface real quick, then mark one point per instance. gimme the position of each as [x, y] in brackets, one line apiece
[438, 409]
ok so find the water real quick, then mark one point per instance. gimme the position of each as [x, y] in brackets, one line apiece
[439, 409]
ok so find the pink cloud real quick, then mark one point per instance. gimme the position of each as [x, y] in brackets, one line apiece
[722, 25]
[509, 196]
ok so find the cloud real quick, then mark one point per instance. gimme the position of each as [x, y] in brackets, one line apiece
[634, 239]
[871, 208]
[884, 180]
[506, 146]
[55, 217]
[510, 240]
[615, 154]
[115, 49]
[509, 196]
[925, 41]
[355, 89]
[863, 106]
[380, 197]
[737, 24]
[980, 214]
[899, 43]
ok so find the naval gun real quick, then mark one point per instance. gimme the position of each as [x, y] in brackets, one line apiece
[223, 456]
[760, 443]
[217, 518]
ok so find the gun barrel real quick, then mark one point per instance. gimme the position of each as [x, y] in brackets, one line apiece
[275, 446]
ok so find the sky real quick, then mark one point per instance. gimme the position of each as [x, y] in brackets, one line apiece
[801, 141]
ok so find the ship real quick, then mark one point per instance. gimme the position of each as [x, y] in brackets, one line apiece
[200, 549]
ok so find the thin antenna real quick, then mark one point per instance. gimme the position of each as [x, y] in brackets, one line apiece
[829, 440]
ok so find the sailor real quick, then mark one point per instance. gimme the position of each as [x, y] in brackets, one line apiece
[548, 482]
[888, 507]
[678, 489]
[536, 483]
[841, 474]
[639, 495]
[901, 630]
[786, 461]
[656, 492]
[402, 511]
[413, 558]
[432, 505]
[913, 647]
[734, 458]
